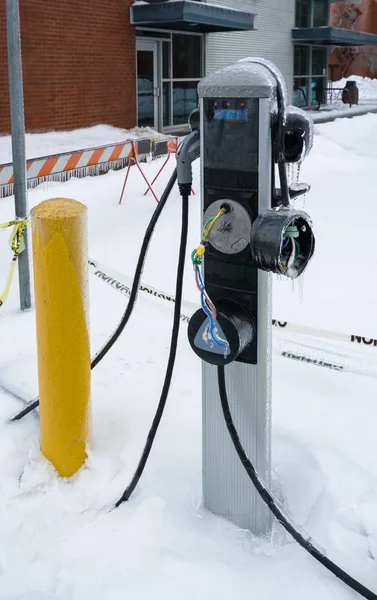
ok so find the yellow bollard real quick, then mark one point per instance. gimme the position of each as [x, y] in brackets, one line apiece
[60, 260]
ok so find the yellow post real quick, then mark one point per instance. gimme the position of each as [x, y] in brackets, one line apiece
[60, 260]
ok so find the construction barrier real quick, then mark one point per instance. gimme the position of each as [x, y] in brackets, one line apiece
[87, 162]
[60, 261]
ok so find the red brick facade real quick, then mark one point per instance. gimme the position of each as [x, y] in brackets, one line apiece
[78, 63]
[365, 20]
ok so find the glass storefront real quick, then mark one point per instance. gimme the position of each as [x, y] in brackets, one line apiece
[184, 57]
[310, 74]
[177, 70]
[310, 62]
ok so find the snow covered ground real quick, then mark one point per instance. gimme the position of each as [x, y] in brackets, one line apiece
[57, 142]
[58, 539]
[367, 87]
[335, 109]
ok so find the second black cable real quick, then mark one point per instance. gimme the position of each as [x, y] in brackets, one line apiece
[171, 360]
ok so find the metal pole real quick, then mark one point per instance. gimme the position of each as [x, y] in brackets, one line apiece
[227, 491]
[18, 140]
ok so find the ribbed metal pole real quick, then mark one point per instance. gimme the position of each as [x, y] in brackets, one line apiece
[18, 140]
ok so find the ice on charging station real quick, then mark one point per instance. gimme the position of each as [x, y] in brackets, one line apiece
[243, 112]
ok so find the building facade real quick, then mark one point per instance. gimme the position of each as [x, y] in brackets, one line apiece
[79, 64]
[271, 38]
[131, 63]
[362, 17]
[314, 36]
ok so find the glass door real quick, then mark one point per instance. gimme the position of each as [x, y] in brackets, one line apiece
[147, 85]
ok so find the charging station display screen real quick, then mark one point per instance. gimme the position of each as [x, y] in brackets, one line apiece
[231, 133]
[231, 114]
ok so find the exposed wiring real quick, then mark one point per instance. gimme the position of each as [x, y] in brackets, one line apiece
[306, 543]
[290, 248]
[208, 307]
[292, 257]
[286, 242]
[211, 329]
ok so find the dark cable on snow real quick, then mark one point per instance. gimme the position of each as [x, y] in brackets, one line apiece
[25, 411]
[135, 287]
[171, 360]
[268, 499]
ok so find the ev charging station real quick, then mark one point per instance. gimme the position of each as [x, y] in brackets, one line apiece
[239, 133]
[244, 133]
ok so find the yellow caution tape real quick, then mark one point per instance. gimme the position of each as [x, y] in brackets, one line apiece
[17, 244]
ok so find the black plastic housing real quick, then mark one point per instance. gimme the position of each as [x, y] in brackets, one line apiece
[266, 241]
[298, 139]
[232, 175]
[237, 326]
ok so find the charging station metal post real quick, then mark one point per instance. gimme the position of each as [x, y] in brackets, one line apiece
[236, 106]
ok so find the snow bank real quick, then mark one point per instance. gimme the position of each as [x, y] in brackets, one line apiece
[55, 142]
[367, 87]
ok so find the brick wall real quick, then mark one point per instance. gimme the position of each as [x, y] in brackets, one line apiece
[365, 63]
[79, 64]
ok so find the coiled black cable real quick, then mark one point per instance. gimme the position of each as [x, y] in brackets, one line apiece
[171, 360]
[134, 290]
[268, 499]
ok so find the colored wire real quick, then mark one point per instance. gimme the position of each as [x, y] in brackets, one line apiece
[206, 302]
[210, 223]
[290, 234]
[211, 314]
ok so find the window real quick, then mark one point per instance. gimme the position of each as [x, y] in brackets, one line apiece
[321, 13]
[319, 61]
[303, 9]
[310, 74]
[166, 62]
[310, 62]
[185, 100]
[166, 104]
[301, 91]
[182, 69]
[186, 56]
[301, 60]
[312, 13]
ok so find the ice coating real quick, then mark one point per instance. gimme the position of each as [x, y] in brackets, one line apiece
[273, 69]
[307, 148]
[241, 79]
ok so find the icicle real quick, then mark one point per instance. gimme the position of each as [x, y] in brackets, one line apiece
[300, 287]
[298, 169]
